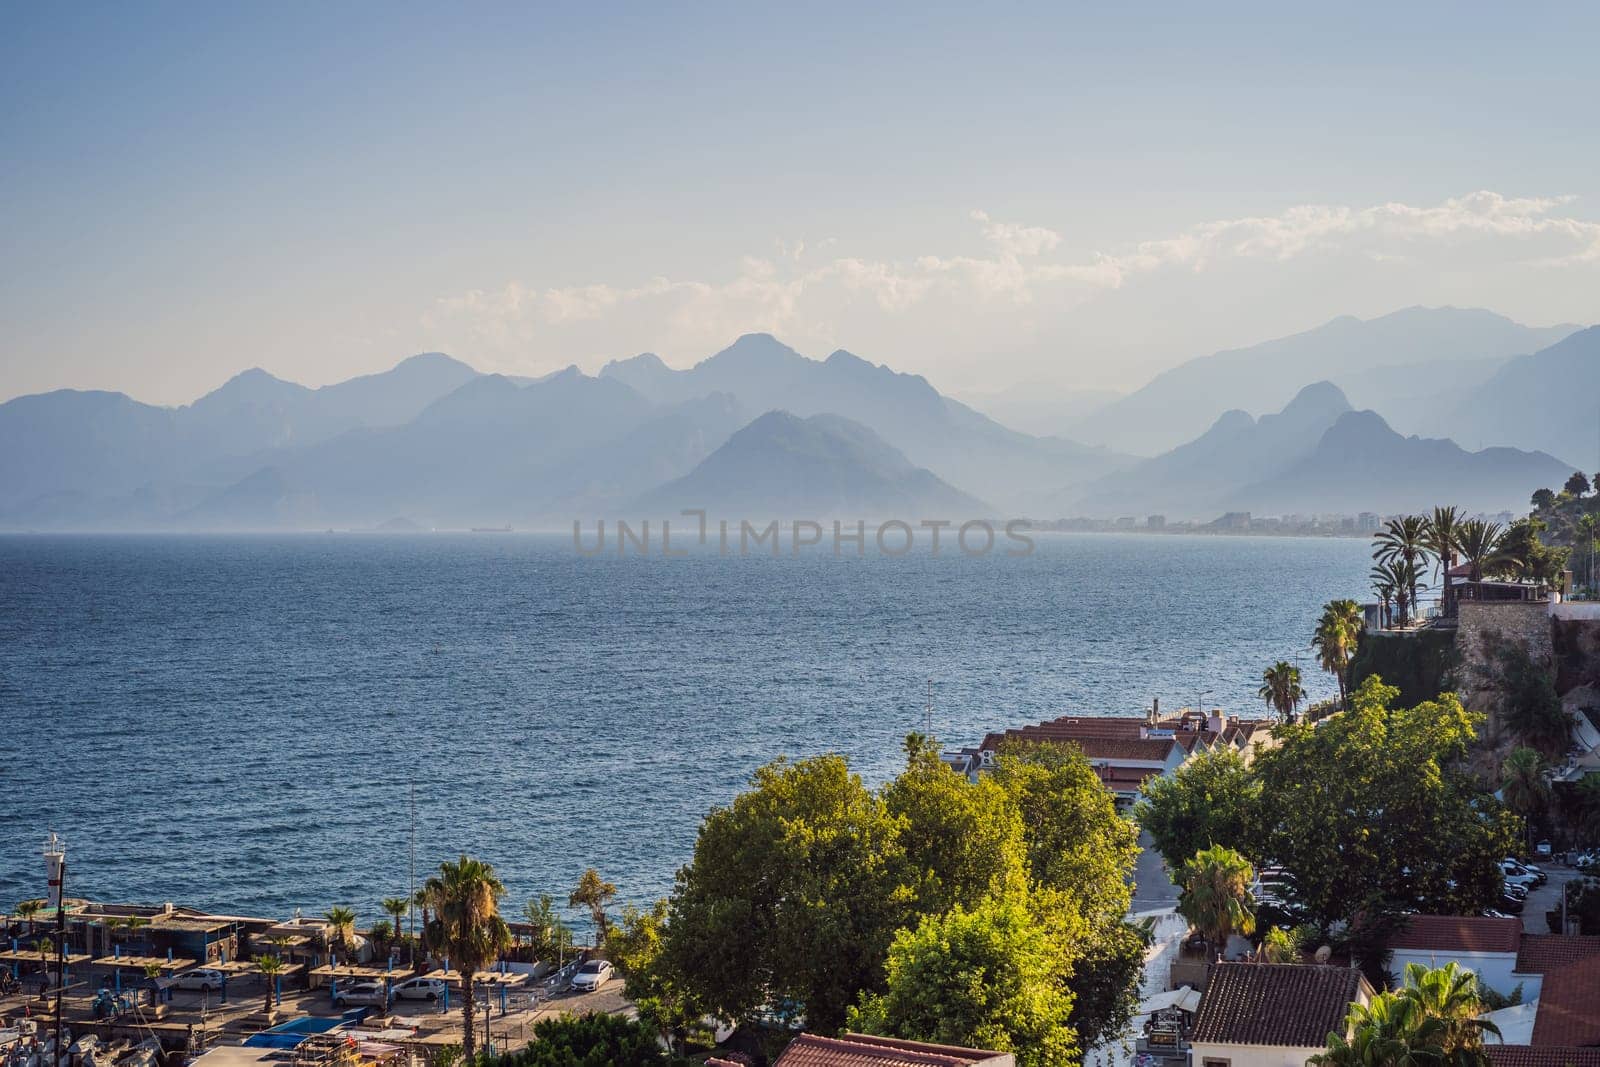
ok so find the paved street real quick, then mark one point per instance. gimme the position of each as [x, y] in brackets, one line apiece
[1153, 889]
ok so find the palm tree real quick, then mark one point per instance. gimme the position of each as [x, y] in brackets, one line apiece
[1449, 996]
[1404, 540]
[1216, 894]
[1589, 526]
[465, 898]
[27, 909]
[1523, 784]
[1388, 1031]
[1444, 541]
[1401, 578]
[270, 967]
[1335, 640]
[1281, 690]
[152, 971]
[342, 925]
[1384, 589]
[594, 893]
[1477, 541]
[397, 907]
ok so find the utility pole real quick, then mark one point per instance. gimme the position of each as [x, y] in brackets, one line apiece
[927, 718]
[61, 954]
[411, 897]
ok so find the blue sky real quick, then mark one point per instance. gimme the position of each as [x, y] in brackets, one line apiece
[985, 195]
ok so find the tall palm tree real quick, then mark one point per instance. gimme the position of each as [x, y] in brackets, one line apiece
[342, 924]
[270, 967]
[1477, 541]
[1335, 640]
[1404, 540]
[1401, 578]
[397, 907]
[465, 898]
[1589, 526]
[594, 893]
[1524, 786]
[1444, 541]
[1280, 688]
[1216, 894]
[1384, 590]
[1387, 1031]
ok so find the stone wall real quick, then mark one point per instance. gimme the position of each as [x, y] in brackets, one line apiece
[1525, 622]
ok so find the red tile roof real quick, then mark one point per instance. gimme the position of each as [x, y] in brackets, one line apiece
[1548, 952]
[861, 1050]
[1569, 1005]
[1546, 1056]
[1458, 933]
[1154, 750]
[1293, 1004]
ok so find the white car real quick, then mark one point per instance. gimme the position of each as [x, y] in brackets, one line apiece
[372, 993]
[420, 988]
[592, 976]
[204, 978]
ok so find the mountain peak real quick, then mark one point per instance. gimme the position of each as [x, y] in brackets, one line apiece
[1317, 400]
[752, 347]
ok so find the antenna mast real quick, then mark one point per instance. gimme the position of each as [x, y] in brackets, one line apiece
[927, 717]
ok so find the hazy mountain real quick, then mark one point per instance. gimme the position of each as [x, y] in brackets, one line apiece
[825, 466]
[82, 443]
[1039, 407]
[253, 412]
[399, 394]
[1549, 400]
[1361, 464]
[952, 440]
[1352, 353]
[1194, 479]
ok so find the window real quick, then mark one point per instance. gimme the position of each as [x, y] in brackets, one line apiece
[1209, 1062]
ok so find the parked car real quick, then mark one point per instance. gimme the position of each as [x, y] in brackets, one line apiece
[591, 976]
[1511, 905]
[420, 988]
[1490, 913]
[205, 978]
[356, 993]
[1511, 865]
[1512, 889]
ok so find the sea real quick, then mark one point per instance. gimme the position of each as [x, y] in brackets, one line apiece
[260, 724]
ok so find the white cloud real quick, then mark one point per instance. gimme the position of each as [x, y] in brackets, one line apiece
[936, 296]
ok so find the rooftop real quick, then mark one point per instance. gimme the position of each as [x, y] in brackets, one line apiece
[1544, 1056]
[1548, 952]
[1569, 1005]
[1293, 1004]
[861, 1050]
[1458, 933]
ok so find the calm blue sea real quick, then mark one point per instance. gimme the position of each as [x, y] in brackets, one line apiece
[237, 722]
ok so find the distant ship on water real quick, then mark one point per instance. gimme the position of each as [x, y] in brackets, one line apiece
[491, 529]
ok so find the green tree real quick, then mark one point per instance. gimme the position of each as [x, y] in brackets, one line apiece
[595, 1039]
[1521, 553]
[1444, 541]
[1449, 996]
[1375, 808]
[961, 841]
[1542, 500]
[1529, 708]
[552, 938]
[1210, 800]
[1282, 946]
[1478, 541]
[28, 910]
[398, 908]
[1524, 785]
[465, 899]
[635, 946]
[1388, 1031]
[270, 967]
[1403, 544]
[1577, 485]
[1280, 688]
[594, 894]
[985, 978]
[341, 926]
[791, 896]
[1337, 633]
[1399, 578]
[1215, 895]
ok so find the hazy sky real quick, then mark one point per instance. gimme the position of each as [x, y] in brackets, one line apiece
[985, 194]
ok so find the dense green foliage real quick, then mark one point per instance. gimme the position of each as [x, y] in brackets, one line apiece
[811, 894]
[1367, 812]
[593, 1040]
[988, 978]
[1419, 664]
[1210, 800]
[1374, 808]
[1431, 1019]
[1216, 894]
[1530, 708]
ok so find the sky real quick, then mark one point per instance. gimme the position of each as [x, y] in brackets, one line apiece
[1066, 195]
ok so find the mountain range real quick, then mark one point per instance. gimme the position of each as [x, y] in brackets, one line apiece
[761, 430]
[1414, 364]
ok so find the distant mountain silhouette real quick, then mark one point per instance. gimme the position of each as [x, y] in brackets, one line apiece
[1549, 400]
[1362, 464]
[952, 440]
[1385, 363]
[1193, 480]
[825, 466]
